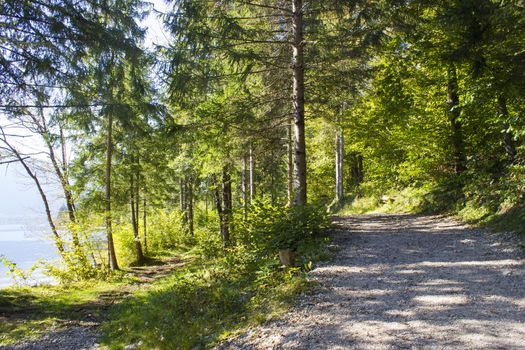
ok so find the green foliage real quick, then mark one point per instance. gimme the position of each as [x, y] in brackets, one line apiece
[224, 291]
[19, 276]
[270, 227]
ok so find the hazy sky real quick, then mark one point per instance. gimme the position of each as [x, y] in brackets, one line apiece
[18, 195]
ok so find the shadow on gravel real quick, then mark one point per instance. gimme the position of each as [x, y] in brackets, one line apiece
[406, 281]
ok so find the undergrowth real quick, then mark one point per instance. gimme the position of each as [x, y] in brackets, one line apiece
[484, 202]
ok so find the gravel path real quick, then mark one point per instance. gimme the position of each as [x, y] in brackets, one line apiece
[407, 282]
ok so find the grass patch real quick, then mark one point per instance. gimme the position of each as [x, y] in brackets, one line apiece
[30, 311]
[199, 304]
[481, 207]
[209, 300]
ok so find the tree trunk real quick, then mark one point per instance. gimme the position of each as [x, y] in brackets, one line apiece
[112, 258]
[339, 158]
[360, 172]
[190, 205]
[58, 240]
[508, 140]
[137, 199]
[454, 114]
[244, 187]
[226, 206]
[298, 103]
[134, 221]
[61, 172]
[144, 222]
[181, 194]
[290, 163]
[252, 175]
[222, 221]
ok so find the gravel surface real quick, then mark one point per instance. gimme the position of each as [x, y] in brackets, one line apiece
[407, 282]
[71, 338]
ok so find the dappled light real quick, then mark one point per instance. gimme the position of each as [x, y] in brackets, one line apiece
[408, 281]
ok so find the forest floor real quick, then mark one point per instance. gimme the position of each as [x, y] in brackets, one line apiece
[407, 282]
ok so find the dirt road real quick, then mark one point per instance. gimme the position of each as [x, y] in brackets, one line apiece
[408, 282]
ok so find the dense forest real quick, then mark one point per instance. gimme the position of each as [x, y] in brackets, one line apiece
[232, 141]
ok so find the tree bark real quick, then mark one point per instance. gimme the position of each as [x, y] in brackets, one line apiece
[458, 148]
[508, 140]
[112, 258]
[298, 103]
[252, 175]
[181, 194]
[339, 158]
[290, 163]
[226, 204]
[224, 229]
[244, 187]
[134, 221]
[190, 205]
[144, 224]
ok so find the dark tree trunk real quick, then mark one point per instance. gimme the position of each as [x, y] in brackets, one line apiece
[190, 205]
[144, 224]
[134, 221]
[222, 222]
[112, 258]
[244, 187]
[508, 140]
[226, 205]
[339, 158]
[252, 175]
[181, 194]
[298, 103]
[290, 163]
[458, 148]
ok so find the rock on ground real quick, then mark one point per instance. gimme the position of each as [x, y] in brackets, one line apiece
[407, 282]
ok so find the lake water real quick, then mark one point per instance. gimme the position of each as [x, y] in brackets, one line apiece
[25, 245]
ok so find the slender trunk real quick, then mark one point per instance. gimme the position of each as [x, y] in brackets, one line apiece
[244, 187]
[455, 123]
[137, 199]
[290, 163]
[508, 140]
[134, 221]
[298, 103]
[190, 205]
[62, 175]
[360, 172]
[226, 205]
[339, 158]
[112, 258]
[222, 220]
[144, 223]
[70, 203]
[252, 175]
[181, 194]
[32, 175]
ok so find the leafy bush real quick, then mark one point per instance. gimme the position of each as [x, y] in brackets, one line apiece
[270, 227]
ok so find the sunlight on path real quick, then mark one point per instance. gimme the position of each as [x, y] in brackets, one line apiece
[408, 282]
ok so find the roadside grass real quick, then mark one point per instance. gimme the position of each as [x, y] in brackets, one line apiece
[491, 212]
[210, 300]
